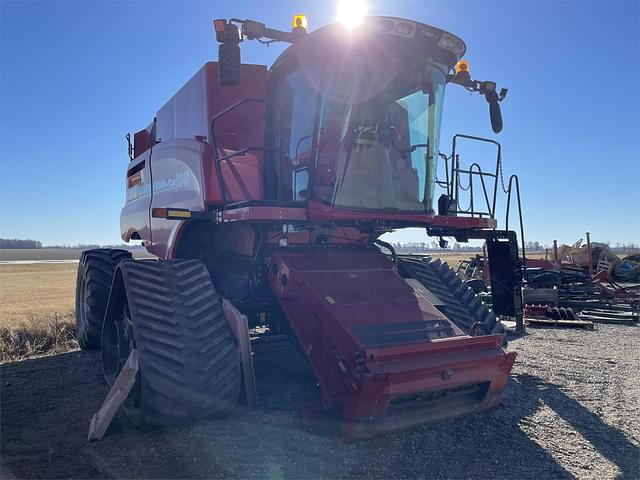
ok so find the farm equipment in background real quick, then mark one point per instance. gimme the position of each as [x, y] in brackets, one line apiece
[583, 280]
[270, 188]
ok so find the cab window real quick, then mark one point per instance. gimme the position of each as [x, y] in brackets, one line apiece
[297, 100]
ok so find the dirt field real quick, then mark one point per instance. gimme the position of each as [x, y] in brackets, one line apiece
[572, 409]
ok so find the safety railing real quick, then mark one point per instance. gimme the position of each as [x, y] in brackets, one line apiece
[241, 152]
[465, 179]
[473, 172]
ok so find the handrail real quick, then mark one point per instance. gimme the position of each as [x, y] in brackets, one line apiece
[454, 186]
[244, 151]
[484, 187]
[473, 171]
[214, 143]
[513, 178]
[455, 166]
[302, 139]
[446, 171]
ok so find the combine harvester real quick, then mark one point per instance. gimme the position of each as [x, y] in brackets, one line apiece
[270, 188]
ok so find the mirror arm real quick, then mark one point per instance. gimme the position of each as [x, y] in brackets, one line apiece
[486, 88]
[230, 33]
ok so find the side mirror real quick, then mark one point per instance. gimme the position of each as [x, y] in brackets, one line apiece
[488, 89]
[495, 114]
[229, 64]
[229, 37]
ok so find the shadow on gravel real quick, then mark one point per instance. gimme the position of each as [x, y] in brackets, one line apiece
[610, 442]
[47, 404]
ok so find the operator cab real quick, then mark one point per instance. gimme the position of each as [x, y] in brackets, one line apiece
[356, 116]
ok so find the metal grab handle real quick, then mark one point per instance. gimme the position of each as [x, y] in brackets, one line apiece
[481, 174]
[513, 178]
[214, 143]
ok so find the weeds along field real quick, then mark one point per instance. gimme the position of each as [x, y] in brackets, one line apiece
[36, 309]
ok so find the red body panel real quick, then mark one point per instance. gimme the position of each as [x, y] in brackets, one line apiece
[372, 340]
[177, 180]
[179, 166]
[320, 212]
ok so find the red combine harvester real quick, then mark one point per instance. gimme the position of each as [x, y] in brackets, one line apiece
[270, 188]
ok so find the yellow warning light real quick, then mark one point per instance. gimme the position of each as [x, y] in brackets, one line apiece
[462, 66]
[219, 25]
[299, 21]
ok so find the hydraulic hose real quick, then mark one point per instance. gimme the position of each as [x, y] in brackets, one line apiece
[388, 246]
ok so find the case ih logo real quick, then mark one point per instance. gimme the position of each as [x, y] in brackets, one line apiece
[181, 179]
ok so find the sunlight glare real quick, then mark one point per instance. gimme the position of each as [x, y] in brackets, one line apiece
[351, 13]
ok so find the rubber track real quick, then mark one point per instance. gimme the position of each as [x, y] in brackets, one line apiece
[461, 305]
[189, 362]
[98, 267]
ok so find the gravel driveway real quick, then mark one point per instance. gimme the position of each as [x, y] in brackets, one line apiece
[571, 410]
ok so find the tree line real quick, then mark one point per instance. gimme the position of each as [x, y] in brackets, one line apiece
[14, 243]
[19, 243]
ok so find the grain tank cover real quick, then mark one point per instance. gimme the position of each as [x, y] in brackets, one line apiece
[187, 114]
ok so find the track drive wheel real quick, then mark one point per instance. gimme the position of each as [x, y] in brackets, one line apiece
[93, 283]
[189, 362]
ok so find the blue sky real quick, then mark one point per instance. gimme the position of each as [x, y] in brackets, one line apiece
[76, 76]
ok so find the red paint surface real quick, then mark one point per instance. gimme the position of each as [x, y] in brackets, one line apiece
[328, 294]
[320, 212]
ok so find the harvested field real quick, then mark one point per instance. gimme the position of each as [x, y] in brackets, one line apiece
[37, 301]
[36, 291]
[18, 254]
[36, 310]
[572, 406]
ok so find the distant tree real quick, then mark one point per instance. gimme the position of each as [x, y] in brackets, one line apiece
[19, 243]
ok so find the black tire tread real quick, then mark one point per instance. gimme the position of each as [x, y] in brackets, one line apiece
[189, 362]
[462, 306]
[96, 267]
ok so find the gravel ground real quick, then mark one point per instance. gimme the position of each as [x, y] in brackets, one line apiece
[571, 410]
